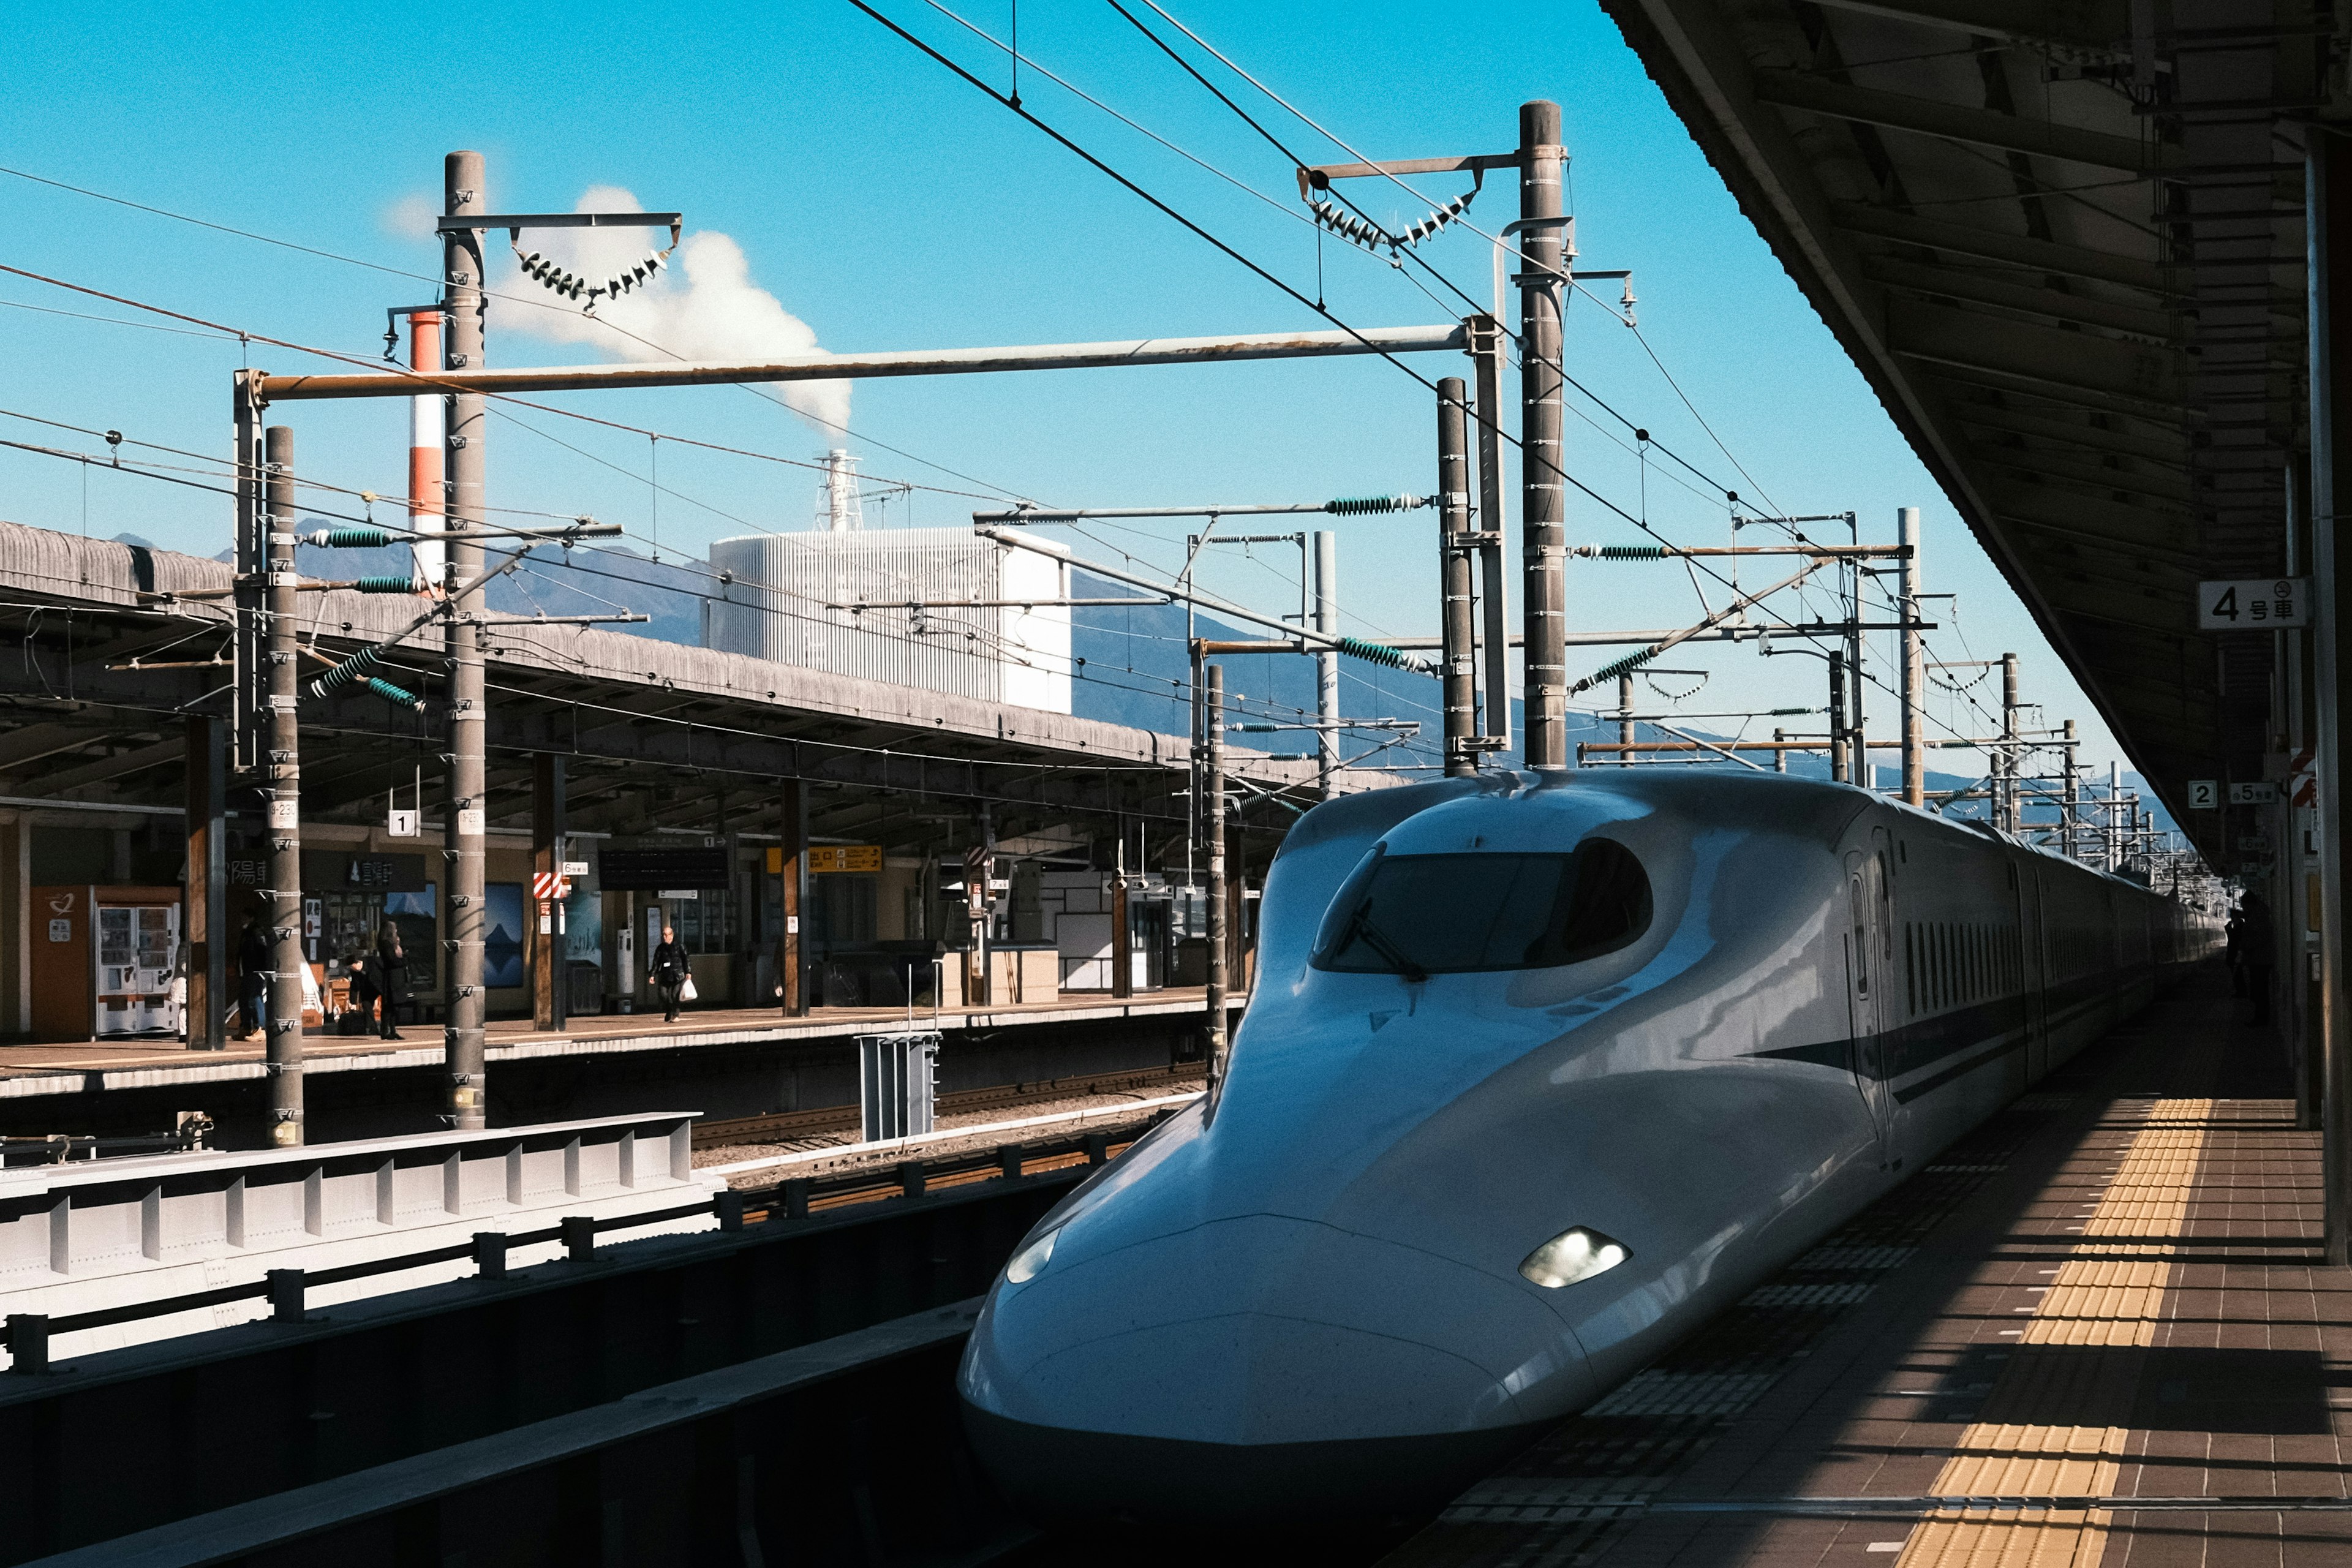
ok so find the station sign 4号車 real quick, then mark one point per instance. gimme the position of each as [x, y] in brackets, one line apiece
[2253, 603]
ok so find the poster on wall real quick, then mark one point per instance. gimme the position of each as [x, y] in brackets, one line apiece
[503, 934]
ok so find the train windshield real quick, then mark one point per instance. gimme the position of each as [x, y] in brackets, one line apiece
[1417, 915]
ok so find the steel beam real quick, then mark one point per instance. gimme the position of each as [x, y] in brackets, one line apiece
[867, 366]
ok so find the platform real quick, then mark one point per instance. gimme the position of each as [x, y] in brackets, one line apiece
[2091, 1336]
[63, 1068]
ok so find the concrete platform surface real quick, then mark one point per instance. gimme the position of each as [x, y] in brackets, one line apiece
[2092, 1335]
[31, 1070]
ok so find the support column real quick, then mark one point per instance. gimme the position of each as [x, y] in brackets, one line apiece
[1837, 716]
[2069, 808]
[1543, 506]
[2294, 914]
[17, 918]
[2327, 186]
[2011, 812]
[468, 424]
[548, 1004]
[283, 792]
[1212, 803]
[1122, 940]
[206, 916]
[1915, 665]
[1457, 622]
[792, 972]
[1625, 726]
[1326, 663]
[1486, 358]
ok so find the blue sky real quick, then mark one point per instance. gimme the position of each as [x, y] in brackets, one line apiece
[886, 205]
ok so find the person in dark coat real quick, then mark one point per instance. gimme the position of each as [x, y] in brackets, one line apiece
[257, 950]
[2257, 952]
[391, 977]
[357, 1020]
[669, 972]
[2233, 933]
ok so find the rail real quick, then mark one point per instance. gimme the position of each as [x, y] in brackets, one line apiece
[28, 1335]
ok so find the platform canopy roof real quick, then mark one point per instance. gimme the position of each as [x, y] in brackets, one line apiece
[2063, 239]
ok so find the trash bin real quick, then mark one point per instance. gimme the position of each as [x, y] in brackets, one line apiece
[585, 995]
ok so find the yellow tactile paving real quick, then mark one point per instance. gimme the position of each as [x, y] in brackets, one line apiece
[2111, 1299]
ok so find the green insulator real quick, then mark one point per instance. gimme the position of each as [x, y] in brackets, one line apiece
[387, 584]
[351, 538]
[1633, 552]
[391, 693]
[356, 668]
[1625, 666]
[1377, 653]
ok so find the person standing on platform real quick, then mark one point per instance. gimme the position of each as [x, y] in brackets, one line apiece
[669, 972]
[2233, 930]
[2257, 952]
[391, 977]
[257, 950]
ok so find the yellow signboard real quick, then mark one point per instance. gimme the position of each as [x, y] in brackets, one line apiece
[845, 857]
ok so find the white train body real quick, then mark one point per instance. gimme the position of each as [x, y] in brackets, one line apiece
[1318, 1297]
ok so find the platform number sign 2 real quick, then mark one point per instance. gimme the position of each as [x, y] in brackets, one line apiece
[2253, 603]
[2204, 795]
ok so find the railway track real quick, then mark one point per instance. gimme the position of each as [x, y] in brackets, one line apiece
[788, 1127]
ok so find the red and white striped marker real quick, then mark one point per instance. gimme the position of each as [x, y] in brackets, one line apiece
[426, 497]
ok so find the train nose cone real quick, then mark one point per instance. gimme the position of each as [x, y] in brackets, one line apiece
[1257, 1370]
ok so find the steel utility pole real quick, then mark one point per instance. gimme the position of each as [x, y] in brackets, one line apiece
[1326, 663]
[2010, 761]
[1458, 630]
[1542, 232]
[282, 771]
[2070, 806]
[1840, 770]
[1625, 726]
[1210, 803]
[463, 821]
[1486, 336]
[1915, 676]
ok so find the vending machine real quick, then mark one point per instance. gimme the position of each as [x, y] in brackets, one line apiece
[103, 962]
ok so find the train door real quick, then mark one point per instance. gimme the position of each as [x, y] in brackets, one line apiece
[1870, 980]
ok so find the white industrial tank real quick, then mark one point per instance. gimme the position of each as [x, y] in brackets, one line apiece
[945, 611]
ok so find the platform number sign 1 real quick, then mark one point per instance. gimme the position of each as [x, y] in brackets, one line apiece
[2253, 603]
[2204, 795]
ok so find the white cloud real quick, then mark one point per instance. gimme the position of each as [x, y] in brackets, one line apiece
[701, 306]
[413, 216]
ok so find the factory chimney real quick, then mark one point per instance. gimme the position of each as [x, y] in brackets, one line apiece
[837, 507]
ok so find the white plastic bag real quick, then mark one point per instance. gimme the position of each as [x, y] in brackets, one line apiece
[686, 991]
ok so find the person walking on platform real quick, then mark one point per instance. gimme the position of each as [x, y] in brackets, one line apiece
[2257, 952]
[669, 972]
[391, 977]
[257, 948]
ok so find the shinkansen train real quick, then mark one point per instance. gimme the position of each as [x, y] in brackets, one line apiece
[1539, 1072]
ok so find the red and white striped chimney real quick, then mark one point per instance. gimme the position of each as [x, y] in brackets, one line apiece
[426, 497]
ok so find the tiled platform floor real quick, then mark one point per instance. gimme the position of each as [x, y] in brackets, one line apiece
[2124, 1304]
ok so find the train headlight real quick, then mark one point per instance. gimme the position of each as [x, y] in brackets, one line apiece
[1030, 1261]
[1573, 1254]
